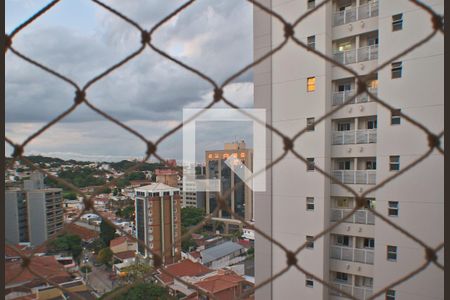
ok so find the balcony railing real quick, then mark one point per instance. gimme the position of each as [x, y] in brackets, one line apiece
[340, 97]
[356, 13]
[364, 256]
[359, 217]
[358, 292]
[348, 137]
[355, 176]
[357, 55]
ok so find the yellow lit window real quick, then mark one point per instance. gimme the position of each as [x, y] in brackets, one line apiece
[235, 155]
[209, 155]
[216, 155]
[242, 155]
[311, 84]
[226, 155]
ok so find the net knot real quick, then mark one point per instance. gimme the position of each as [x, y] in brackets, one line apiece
[151, 148]
[80, 97]
[8, 42]
[438, 22]
[145, 37]
[291, 259]
[288, 144]
[430, 254]
[288, 30]
[18, 151]
[218, 93]
[433, 141]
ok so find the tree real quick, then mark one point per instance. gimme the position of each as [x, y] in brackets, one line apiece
[70, 195]
[107, 232]
[67, 243]
[138, 272]
[191, 216]
[142, 291]
[97, 245]
[105, 255]
[187, 244]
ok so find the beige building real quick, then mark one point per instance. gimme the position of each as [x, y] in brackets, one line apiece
[361, 144]
[158, 221]
[241, 200]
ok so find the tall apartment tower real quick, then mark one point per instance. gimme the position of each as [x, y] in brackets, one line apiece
[361, 144]
[158, 221]
[33, 213]
[241, 200]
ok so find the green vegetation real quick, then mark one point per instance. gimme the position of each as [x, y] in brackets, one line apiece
[96, 245]
[67, 243]
[126, 213]
[141, 291]
[139, 272]
[85, 269]
[105, 256]
[191, 216]
[79, 177]
[70, 195]
[124, 181]
[107, 232]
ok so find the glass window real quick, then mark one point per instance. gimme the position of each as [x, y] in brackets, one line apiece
[309, 203]
[394, 163]
[309, 281]
[342, 202]
[311, 4]
[343, 240]
[310, 124]
[344, 165]
[343, 126]
[372, 124]
[390, 295]
[341, 276]
[397, 22]
[393, 208]
[311, 84]
[310, 242]
[392, 253]
[395, 117]
[310, 164]
[369, 243]
[371, 165]
[396, 70]
[311, 40]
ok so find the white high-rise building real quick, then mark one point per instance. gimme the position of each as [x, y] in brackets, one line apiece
[361, 144]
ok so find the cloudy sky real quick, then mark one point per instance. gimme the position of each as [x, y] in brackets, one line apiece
[80, 40]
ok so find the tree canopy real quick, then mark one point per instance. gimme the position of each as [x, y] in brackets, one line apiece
[107, 232]
[142, 291]
[68, 243]
[191, 216]
[105, 255]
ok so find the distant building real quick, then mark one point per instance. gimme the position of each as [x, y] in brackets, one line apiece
[33, 213]
[222, 255]
[158, 221]
[122, 244]
[167, 176]
[241, 200]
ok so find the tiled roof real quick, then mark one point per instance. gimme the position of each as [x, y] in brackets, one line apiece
[220, 282]
[84, 233]
[47, 266]
[125, 254]
[183, 268]
[120, 240]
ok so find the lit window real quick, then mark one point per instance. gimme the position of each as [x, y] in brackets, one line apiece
[342, 202]
[390, 295]
[310, 124]
[395, 117]
[309, 281]
[311, 40]
[393, 208]
[242, 155]
[311, 4]
[392, 253]
[394, 163]
[310, 164]
[309, 203]
[311, 84]
[310, 241]
[397, 22]
[210, 156]
[396, 70]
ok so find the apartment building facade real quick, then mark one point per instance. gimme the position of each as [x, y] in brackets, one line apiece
[33, 213]
[158, 221]
[241, 200]
[360, 145]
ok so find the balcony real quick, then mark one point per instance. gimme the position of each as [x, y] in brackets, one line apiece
[363, 256]
[358, 292]
[355, 176]
[350, 137]
[359, 217]
[340, 97]
[356, 55]
[355, 13]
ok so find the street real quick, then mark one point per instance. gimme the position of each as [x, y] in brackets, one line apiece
[98, 278]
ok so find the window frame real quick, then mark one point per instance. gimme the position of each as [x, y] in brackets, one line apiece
[397, 22]
[396, 70]
[310, 4]
[341, 280]
[395, 115]
[309, 243]
[370, 243]
[391, 253]
[393, 206]
[394, 165]
[311, 84]
[310, 203]
[310, 166]
[311, 41]
[391, 296]
[309, 281]
[310, 127]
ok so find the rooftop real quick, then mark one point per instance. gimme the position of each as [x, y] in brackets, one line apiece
[156, 187]
[183, 268]
[219, 251]
[120, 240]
